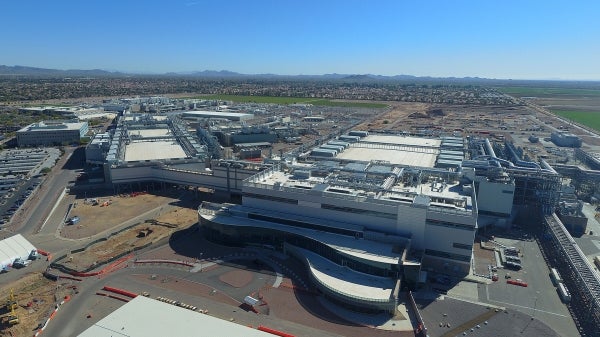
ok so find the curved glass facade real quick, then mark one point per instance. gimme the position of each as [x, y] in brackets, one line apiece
[285, 241]
[243, 235]
[351, 301]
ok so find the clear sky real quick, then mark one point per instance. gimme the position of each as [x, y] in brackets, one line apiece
[496, 39]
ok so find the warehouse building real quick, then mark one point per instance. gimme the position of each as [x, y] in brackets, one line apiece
[15, 248]
[51, 133]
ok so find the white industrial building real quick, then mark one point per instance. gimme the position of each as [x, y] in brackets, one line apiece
[363, 212]
[232, 116]
[146, 317]
[51, 133]
[14, 248]
[353, 216]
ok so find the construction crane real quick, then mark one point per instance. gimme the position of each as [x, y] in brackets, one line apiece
[11, 304]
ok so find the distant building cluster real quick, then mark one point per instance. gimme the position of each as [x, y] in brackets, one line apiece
[423, 91]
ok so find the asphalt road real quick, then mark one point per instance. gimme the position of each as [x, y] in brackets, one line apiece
[72, 317]
[540, 299]
[49, 191]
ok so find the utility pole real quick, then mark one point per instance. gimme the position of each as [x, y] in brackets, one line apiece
[537, 293]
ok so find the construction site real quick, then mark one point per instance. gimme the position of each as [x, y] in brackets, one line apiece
[475, 169]
[28, 303]
[547, 162]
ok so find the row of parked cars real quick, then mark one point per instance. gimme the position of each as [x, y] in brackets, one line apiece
[17, 204]
[513, 260]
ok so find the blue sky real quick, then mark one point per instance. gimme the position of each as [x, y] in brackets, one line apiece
[495, 39]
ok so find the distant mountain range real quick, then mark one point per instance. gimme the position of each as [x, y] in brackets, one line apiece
[44, 72]
[37, 72]
[24, 71]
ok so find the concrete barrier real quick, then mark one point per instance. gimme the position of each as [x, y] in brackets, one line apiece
[65, 300]
[274, 332]
[120, 291]
[182, 263]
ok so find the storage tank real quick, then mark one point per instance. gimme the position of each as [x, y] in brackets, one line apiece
[323, 153]
[564, 293]
[350, 139]
[555, 276]
[338, 148]
[358, 133]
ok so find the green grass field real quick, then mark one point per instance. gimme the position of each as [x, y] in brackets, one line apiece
[588, 118]
[292, 100]
[549, 92]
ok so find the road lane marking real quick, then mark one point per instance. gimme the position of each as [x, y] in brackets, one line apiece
[530, 308]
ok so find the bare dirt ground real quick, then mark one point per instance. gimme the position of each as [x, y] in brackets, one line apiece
[165, 225]
[36, 297]
[97, 219]
[116, 245]
[483, 258]
[392, 119]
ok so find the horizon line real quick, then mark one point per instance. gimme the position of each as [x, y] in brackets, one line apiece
[192, 72]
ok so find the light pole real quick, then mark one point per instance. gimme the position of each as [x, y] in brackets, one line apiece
[200, 261]
[537, 293]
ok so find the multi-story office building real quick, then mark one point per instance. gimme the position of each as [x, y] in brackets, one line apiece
[51, 133]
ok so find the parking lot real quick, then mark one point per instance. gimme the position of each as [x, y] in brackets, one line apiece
[15, 196]
[19, 177]
[539, 298]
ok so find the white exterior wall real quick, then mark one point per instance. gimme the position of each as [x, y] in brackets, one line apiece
[50, 137]
[310, 205]
[493, 197]
[217, 178]
[313, 209]
[442, 239]
[411, 220]
[458, 217]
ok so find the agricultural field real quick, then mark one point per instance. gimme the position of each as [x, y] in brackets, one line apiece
[588, 118]
[553, 92]
[294, 100]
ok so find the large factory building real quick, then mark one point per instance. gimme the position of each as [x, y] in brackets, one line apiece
[370, 222]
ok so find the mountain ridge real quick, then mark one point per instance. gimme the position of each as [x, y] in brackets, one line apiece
[27, 71]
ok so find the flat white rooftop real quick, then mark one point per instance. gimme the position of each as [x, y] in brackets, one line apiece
[450, 193]
[145, 317]
[393, 156]
[402, 140]
[14, 247]
[400, 150]
[153, 151]
[218, 114]
[44, 127]
[149, 133]
[86, 116]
